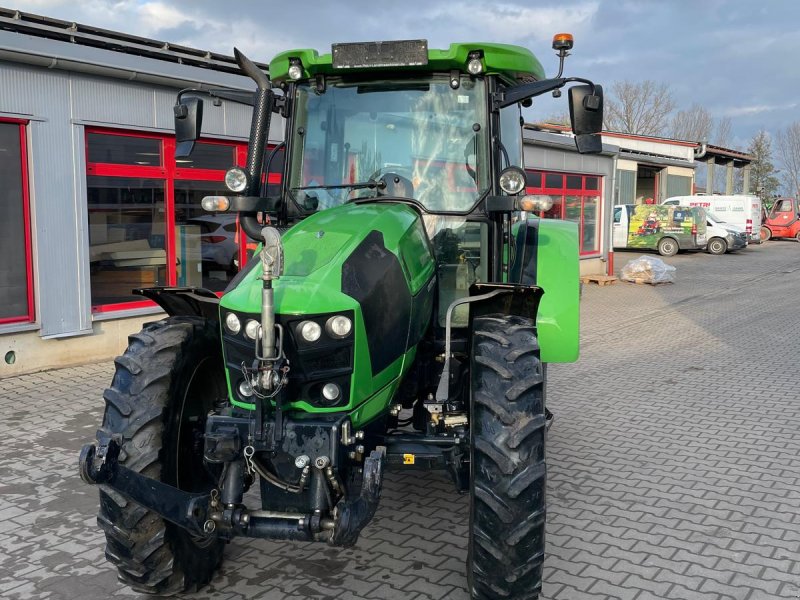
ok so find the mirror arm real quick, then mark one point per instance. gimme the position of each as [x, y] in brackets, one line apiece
[239, 97]
[518, 93]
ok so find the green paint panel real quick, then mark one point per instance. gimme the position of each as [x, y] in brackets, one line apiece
[558, 274]
[509, 62]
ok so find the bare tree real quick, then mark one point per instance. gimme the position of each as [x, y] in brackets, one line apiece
[694, 123]
[642, 108]
[723, 132]
[788, 142]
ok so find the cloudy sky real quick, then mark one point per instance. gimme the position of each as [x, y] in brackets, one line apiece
[737, 58]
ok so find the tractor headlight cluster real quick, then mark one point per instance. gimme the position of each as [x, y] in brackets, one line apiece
[339, 327]
[236, 179]
[512, 180]
[252, 329]
[232, 323]
[245, 388]
[310, 331]
[331, 392]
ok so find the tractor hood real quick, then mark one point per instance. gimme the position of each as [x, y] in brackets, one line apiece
[321, 252]
[372, 262]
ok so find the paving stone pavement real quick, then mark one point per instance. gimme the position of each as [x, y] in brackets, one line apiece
[674, 465]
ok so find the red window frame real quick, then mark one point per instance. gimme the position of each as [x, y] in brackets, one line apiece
[582, 193]
[26, 220]
[168, 172]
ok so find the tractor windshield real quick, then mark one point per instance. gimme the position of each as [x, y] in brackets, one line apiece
[418, 138]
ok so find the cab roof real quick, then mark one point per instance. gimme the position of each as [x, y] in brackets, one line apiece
[513, 64]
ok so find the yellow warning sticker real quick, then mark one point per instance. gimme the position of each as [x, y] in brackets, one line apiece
[408, 459]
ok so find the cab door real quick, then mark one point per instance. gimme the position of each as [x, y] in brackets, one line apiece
[782, 217]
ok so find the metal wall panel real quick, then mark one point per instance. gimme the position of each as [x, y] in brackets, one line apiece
[117, 103]
[45, 97]
[678, 185]
[59, 104]
[626, 187]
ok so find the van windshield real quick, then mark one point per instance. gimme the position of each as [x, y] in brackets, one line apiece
[712, 217]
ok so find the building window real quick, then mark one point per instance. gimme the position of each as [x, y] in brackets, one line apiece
[16, 279]
[146, 226]
[575, 198]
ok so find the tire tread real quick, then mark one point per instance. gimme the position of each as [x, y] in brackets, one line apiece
[508, 461]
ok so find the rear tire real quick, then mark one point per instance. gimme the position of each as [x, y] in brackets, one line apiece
[667, 246]
[717, 246]
[507, 484]
[764, 234]
[164, 385]
[797, 237]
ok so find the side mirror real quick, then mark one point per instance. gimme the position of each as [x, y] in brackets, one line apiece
[586, 117]
[188, 121]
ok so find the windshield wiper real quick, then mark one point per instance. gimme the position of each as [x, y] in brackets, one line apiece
[371, 184]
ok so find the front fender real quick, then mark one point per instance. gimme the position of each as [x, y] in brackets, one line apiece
[546, 255]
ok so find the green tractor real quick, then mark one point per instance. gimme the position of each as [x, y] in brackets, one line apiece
[398, 313]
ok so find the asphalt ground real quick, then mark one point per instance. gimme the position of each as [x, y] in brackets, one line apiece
[674, 464]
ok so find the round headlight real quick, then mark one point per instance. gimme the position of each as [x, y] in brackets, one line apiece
[475, 66]
[339, 326]
[251, 329]
[295, 71]
[245, 389]
[512, 180]
[232, 323]
[236, 179]
[331, 392]
[310, 331]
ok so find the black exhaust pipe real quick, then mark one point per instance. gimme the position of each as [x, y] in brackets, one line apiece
[259, 130]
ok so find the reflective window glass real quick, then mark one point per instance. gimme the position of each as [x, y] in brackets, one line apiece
[206, 244]
[13, 272]
[124, 150]
[553, 180]
[220, 157]
[126, 237]
[574, 182]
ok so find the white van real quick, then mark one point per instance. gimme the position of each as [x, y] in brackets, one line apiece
[743, 210]
[723, 237]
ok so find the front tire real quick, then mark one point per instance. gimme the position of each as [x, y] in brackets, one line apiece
[764, 234]
[164, 386]
[507, 484]
[717, 246]
[667, 246]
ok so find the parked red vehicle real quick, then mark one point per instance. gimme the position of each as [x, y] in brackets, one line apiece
[783, 221]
